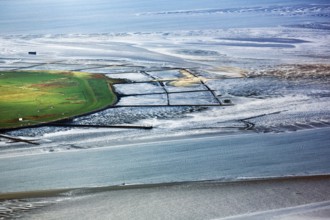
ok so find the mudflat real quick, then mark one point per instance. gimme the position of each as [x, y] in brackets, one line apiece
[262, 198]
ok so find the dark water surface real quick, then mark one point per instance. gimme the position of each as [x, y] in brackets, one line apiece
[216, 157]
[102, 16]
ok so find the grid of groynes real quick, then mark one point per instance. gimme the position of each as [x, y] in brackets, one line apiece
[162, 83]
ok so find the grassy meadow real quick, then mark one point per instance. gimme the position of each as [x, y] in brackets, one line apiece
[33, 97]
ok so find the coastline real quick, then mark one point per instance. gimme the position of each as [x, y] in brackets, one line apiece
[101, 189]
[262, 155]
[181, 200]
[22, 149]
[218, 157]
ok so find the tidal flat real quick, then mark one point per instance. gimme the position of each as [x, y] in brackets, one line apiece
[277, 198]
[237, 95]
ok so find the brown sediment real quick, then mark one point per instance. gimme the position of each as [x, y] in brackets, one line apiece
[291, 71]
[229, 71]
[188, 79]
[217, 182]
[323, 69]
[32, 194]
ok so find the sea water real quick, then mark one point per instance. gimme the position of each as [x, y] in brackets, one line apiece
[84, 32]
[103, 16]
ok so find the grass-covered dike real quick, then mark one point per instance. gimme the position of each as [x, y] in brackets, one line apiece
[29, 98]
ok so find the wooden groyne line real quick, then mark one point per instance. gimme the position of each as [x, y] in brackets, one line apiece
[163, 93]
[205, 85]
[16, 139]
[100, 126]
[161, 84]
[24, 140]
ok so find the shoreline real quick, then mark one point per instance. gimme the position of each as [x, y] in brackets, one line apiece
[209, 158]
[99, 189]
[29, 150]
[182, 200]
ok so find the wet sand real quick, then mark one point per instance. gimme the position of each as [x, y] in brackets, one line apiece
[283, 198]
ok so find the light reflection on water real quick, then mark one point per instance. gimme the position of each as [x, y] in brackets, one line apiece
[101, 16]
[307, 106]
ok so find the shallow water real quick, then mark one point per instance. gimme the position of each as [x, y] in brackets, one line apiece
[273, 70]
[216, 157]
[101, 16]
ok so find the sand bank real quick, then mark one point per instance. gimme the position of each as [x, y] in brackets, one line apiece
[257, 199]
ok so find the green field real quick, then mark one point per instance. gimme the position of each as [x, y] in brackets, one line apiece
[32, 97]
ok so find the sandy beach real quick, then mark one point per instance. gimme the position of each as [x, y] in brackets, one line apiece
[278, 198]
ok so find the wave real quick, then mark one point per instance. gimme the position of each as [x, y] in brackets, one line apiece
[312, 25]
[16, 208]
[295, 10]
